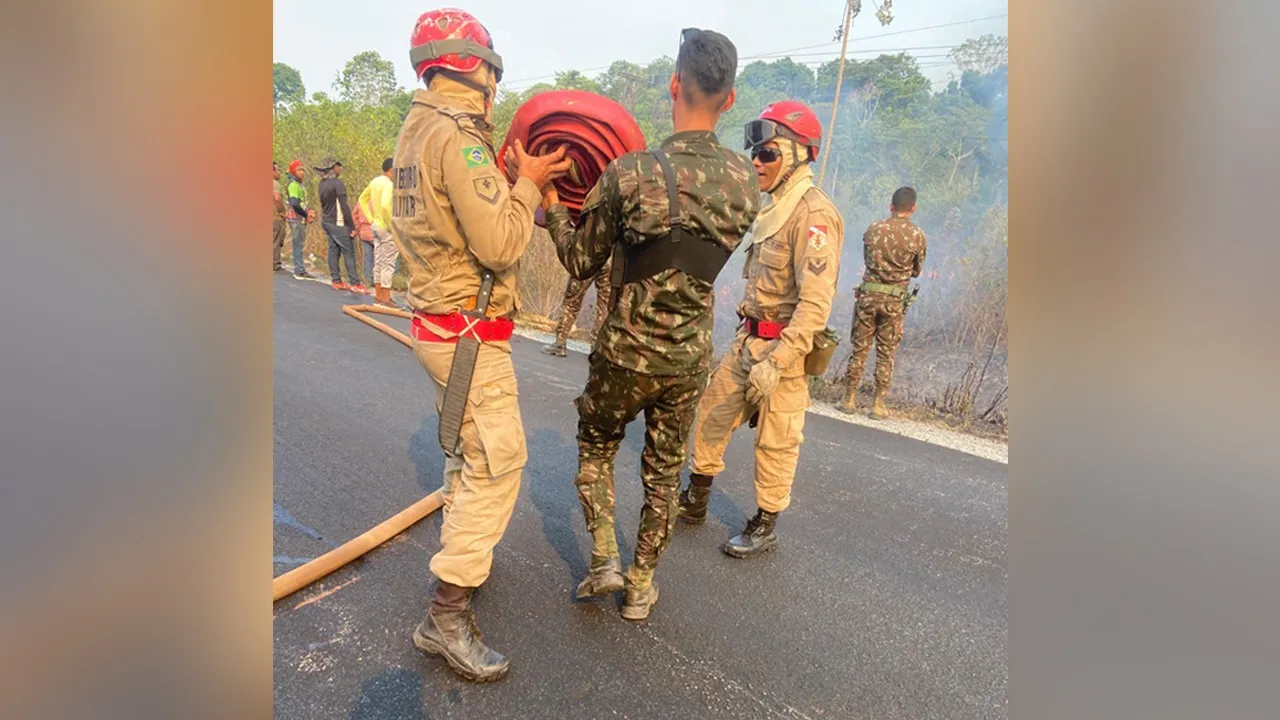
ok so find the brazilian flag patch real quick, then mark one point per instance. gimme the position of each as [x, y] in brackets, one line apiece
[476, 156]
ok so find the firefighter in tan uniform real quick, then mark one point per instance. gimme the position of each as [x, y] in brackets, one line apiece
[791, 269]
[460, 230]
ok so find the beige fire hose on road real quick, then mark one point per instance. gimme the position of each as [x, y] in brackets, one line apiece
[304, 575]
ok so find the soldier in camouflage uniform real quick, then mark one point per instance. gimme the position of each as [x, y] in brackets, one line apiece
[893, 250]
[654, 350]
[574, 292]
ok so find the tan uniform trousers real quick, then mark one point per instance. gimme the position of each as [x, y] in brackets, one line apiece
[779, 434]
[481, 486]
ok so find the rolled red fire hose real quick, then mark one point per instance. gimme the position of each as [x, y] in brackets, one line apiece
[594, 130]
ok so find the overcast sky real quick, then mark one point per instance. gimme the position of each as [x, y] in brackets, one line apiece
[539, 38]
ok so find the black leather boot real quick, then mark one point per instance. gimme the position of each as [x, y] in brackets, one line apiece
[757, 538]
[694, 499]
[450, 630]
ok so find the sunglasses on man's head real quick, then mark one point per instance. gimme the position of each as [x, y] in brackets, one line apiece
[765, 154]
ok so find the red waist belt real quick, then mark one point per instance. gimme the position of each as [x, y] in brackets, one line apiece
[764, 329]
[594, 130]
[498, 330]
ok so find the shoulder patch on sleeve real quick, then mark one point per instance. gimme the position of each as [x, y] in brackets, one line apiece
[475, 156]
[817, 266]
[487, 188]
[817, 237]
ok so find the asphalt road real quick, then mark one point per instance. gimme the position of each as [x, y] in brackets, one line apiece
[885, 599]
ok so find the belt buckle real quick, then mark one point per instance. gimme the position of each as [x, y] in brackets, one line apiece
[472, 320]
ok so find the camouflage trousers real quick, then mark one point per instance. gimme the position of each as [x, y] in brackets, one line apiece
[574, 293]
[613, 397]
[880, 317]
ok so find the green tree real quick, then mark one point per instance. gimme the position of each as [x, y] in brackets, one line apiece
[288, 84]
[367, 79]
[898, 77]
[574, 80]
[785, 77]
[990, 90]
[981, 54]
[402, 100]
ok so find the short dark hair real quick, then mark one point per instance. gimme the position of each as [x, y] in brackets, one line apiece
[275, 165]
[386, 164]
[904, 198]
[710, 60]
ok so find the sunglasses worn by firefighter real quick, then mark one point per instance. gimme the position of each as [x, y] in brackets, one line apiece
[765, 154]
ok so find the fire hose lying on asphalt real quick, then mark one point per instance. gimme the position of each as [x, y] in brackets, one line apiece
[304, 575]
[594, 130]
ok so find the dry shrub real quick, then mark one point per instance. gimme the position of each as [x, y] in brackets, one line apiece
[541, 276]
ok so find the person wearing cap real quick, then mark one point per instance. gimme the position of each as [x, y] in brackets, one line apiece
[339, 226]
[300, 216]
[278, 225]
[375, 203]
[461, 231]
[792, 263]
[893, 252]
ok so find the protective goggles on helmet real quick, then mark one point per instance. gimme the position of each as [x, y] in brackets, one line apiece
[462, 47]
[759, 132]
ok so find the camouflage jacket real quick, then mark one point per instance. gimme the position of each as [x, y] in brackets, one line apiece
[660, 325]
[893, 250]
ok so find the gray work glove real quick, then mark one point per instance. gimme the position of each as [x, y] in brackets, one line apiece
[762, 381]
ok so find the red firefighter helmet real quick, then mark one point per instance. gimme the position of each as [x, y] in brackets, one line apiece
[788, 118]
[451, 39]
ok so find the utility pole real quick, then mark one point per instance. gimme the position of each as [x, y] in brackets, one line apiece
[851, 8]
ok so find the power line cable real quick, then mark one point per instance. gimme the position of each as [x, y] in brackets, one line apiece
[776, 53]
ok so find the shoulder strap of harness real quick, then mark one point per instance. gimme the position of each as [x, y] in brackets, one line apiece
[679, 249]
[673, 192]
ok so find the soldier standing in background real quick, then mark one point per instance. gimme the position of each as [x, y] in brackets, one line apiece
[791, 269]
[671, 218]
[574, 292]
[460, 231]
[893, 250]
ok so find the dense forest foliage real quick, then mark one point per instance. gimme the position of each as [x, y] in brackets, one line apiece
[893, 128]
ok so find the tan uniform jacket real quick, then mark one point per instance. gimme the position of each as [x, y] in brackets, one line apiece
[452, 211]
[791, 278]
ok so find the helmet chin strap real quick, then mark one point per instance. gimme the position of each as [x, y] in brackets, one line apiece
[796, 162]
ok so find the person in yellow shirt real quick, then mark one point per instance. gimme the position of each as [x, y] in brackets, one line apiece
[375, 203]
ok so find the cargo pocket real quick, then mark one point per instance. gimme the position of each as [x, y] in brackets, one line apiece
[782, 423]
[775, 272]
[495, 410]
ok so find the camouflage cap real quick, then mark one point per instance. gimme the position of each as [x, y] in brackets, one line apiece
[328, 164]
